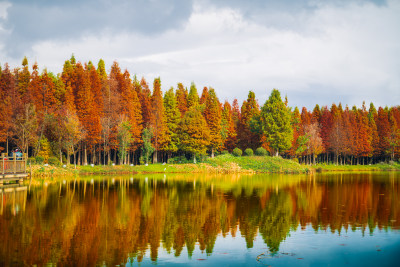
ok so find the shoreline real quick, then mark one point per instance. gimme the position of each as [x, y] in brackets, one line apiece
[223, 164]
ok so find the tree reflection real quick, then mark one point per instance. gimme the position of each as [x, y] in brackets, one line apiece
[113, 221]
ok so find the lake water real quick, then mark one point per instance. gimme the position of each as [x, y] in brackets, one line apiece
[348, 219]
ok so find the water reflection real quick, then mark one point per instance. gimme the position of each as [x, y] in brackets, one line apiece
[114, 220]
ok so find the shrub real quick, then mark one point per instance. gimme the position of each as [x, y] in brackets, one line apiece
[179, 159]
[224, 152]
[39, 160]
[237, 152]
[261, 151]
[31, 160]
[248, 152]
[54, 161]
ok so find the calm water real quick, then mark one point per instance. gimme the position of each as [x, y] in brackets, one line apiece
[276, 220]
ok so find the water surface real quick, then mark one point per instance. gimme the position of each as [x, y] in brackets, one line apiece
[231, 220]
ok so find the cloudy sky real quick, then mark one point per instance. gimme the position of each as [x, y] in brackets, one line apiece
[313, 51]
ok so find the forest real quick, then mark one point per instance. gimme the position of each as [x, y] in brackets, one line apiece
[85, 115]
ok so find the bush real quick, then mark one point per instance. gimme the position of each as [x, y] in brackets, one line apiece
[295, 160]
[224, 152]
[179, 159]
[54, 161]
[248, 152]
[39, 160]
[31, 160]
[237, 152]
[261, 151]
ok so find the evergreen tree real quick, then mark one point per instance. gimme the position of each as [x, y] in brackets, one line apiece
[275, 123]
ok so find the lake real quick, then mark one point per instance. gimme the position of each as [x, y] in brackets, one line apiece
[330, 219]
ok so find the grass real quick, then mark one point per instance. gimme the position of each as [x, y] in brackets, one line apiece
[393, 166]
[259, 164]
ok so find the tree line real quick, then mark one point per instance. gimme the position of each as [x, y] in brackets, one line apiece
[85, 115]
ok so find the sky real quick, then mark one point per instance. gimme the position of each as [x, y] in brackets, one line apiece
[313, 51]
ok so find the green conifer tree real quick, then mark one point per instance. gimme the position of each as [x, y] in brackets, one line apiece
[275, 123]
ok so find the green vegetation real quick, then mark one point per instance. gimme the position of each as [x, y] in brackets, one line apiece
[248, 152]
[258, 164]
[225, 163]
[391, 166]
[237, 152]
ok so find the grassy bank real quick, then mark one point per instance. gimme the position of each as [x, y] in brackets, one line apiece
[220, 164]
[395, 166]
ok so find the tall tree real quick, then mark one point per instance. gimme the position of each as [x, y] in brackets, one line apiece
[249, 110]
[383, 127]
[275, 123]
[193, 97]
[124, 138]
[173, 117]
[193, 132]
[6, 111]
[181, 98]
[212, 115]
[228, 128]
[314, 143]
[296, 123]
[157, 121]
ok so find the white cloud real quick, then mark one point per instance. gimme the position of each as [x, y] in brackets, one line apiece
[339, 53]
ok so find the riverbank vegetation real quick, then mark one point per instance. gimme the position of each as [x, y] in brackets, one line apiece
[226, 163]
[86, 116]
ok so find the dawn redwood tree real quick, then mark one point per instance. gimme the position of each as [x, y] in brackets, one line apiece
[130, 106]
[212, 115]
[326, 124]
[249, 111]
[372, 116]
[337, 133]
[6, 86]
[124, 139]
[348, 143]
[275, 123]
[204, 96]
[316, 114]
[228, 131]
[181, 98]
[383, 127]
[314, 143]
[393, 138]
[296, 124]
[144, 93]
[193, 97]
[235, 112]
[158, 123]
[364, 142]
[173, 116]
[194, 135]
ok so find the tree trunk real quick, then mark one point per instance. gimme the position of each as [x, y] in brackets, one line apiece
[155, 157]
[212, 152]
[194, 158]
